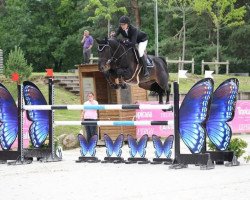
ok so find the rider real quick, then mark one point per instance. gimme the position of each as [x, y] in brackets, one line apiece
[134, 37]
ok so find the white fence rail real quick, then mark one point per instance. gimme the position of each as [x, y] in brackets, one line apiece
[181, 63]
[216, 64]
[93, 59]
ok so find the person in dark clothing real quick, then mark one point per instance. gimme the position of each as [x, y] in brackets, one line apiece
[134, 36]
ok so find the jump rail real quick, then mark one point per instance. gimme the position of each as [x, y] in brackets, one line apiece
[113, 123]
[167, 107]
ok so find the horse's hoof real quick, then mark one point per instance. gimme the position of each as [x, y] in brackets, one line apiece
[123, 86]
[115, 87]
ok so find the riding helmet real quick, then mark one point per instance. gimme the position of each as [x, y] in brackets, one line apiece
[124, 20]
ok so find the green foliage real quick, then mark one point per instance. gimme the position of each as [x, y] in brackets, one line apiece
[238, 47]
[247, 158]
[237, 145]
[104, 8]
[16, 63]
[49, 32]
[222, 12]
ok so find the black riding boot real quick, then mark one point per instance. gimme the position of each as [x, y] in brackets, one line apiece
[143, 63]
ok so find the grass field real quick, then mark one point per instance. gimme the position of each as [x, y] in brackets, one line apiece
[64, 97]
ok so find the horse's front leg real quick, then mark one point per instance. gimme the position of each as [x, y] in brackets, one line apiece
[168, 91]
[160, 98]
[122, 83]
[161, 101]
[110, 82]
[167, 96]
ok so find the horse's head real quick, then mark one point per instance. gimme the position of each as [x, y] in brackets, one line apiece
[106, 50]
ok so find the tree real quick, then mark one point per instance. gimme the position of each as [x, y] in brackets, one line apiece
[223, 14]
[53, 38]
[14, 20]
[16, 63]
[240, 49]
[104, 9]
[136, 9]
[181, 8]
[41, 30]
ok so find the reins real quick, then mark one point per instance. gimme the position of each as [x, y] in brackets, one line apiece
[113, 58]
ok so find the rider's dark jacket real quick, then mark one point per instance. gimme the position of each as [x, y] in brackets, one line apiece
[134, 35]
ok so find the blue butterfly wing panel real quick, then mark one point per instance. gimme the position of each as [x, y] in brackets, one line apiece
[118, 143]
[157, 145]
[39, 128]
[142, 144]
[224, 101]
[193, 113]
[219, 134]
[8, 119]
[167, 146]
[83, 144]
[222, 111]
[109, 145]
[132, 144]
[92, 145]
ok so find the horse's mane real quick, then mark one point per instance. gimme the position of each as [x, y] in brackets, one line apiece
[111, 41]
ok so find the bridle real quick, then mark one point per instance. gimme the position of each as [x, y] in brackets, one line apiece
[113, 57]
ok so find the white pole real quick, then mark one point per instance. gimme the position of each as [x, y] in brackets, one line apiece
[156, 29]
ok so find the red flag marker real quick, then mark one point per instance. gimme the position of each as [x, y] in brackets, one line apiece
[15, 77]
[50, 72]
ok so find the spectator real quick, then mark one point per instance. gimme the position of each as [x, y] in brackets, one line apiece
[90, 115]
[87, 42]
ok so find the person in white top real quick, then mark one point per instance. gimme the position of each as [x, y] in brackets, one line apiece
[90, 115]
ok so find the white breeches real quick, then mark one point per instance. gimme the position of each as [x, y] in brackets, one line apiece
[142, 47]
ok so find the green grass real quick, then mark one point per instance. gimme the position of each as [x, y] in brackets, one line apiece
[186, 84]
[64, 97]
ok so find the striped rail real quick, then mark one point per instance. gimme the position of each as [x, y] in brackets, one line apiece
[167, 107]
[113, 123]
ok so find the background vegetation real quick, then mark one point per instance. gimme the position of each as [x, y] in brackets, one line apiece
[49, 31]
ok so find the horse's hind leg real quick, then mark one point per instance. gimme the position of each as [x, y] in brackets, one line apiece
[164, 89]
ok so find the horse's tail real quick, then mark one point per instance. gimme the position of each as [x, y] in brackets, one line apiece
[165, 62]
[166, 68]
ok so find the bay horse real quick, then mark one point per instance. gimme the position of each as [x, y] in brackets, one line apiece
[119, 61]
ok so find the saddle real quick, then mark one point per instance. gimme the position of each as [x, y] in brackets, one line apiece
[149, 60]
